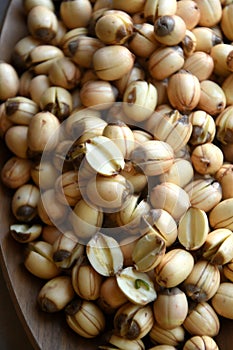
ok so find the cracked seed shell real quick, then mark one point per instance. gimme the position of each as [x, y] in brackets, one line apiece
[104, 254]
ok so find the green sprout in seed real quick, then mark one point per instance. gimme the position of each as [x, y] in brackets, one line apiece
[139, 283]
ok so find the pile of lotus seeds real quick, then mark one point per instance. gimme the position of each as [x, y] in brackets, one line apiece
[118, 116]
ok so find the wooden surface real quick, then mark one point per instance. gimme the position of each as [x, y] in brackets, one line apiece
[45, 332]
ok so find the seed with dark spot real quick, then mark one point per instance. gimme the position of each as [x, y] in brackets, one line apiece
[164, 25]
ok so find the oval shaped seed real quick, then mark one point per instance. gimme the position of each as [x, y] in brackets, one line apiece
[218, 248]
[203, 281]
[221, 216]
[148, 251]
[104, 254]
[222, 301]
[193, 228]
[174, 268]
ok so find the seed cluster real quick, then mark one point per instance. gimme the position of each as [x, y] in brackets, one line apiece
[119, 119]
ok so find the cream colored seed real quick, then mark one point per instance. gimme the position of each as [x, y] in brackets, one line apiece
[16, 138]
[42, 132]
[189, 12]
[226, 23]
[222, 56]
[130, 215]
[206, 38]
[169, 30]
[24, 233]
[122, 342]
[207, 158]
[130, 6]
[170, 57]
[56, 294]
[170, 308]
[139, 100]
[85, 280]
[204, 128]
[136, 178]
[148, 251]
[184, 91]
[163, 347]
[85, 318]
[121, 63]
[29, 4]
[193, 229]
[174, 268]
[222, 300]
[133, 321]
[221, 216]
[24, 202]
[25, 80]
[122, 135]
[204, 193]
[44, 174]
[98, 94]
[5, 123]
[203, 281]
[210, 12]
[42, 23]
[104, 156]
[50, 211]
[212, 98]
[180, 173]
[86, 220]
[224, 125]
[111, 297]
[109, 193]
[66, 249]
[104, 254]
[202, 320]
[58, 101]
[153, 157]
[37, 86]
[200, 64]
[82, 50]
[170, 197]
[137, 286]
[20, 109]
[228, 270]
[170, 126]
[114, 27]
[16, 172]
[64, 73]
[155, 9]
[22, 51]
[76, 14]
[227, 88]
[162, 223]
[9, 81]
[171, 337]
[136, 73]
[88, 121]
[218, 248]
[143, 43]
[70, 37]
[201, 342]
[189, 43]
[42, 57]
[39, 261]
[67, 188]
